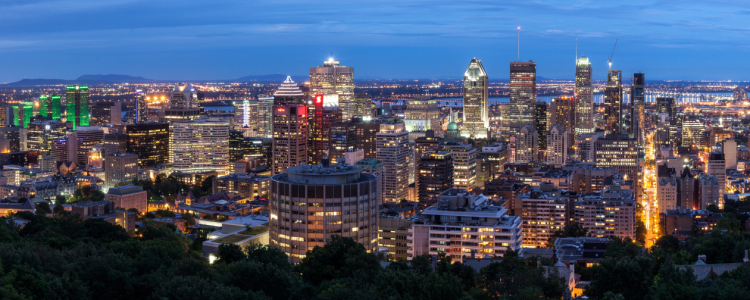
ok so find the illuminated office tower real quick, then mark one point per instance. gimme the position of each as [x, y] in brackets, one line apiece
[527, 144]
[392, 144]
[150, 142]
[183, 96]
[141, 108]
[716, 166]
[692, 133]
[541, 123]
[325, 114]
[584, 95]
[638, 108]
[421, 145]
[331, 78]
[41, 136]
[562, 113]
[50, 106]
[435, 173]
[288, 93]
[120, 167]
[77, 105]
[422, 115]
[613, 103]
[619, 152]
[362, 106]
[557, 145]
[522, 95]
[265, 116]
[343, 138]
[464, 164]
[201, 146]
[103, 113]
[22, 114]
[666, 105]
[335, 199]
[114, 143]
[290, 131]
[81, 141]
[476, 101]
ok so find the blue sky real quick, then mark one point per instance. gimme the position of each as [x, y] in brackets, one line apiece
[225, 39]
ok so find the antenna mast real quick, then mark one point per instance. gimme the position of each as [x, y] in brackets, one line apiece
[519, 43]
[609, 61]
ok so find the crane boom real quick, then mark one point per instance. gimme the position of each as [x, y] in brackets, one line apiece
[609, 61]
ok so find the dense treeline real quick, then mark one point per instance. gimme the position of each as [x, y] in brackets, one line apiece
[65, 257]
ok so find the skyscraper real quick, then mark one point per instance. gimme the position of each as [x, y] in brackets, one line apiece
[522, 95]
[150, 142]
[464, 164]
[476, 101]
[638, 107]
[141, 108]
[326, 112]
[290, 130]
[289, 93]
[435, 175]
[557, 145]
[392, 149]
[77, 105]
[183, 96]
[527, 144]
[201, 146]
[666, 105]
[541, 122]
[50, 106]
[265, 116]
[613, 103]
[562, 113]
[331, 78]
[584, 96]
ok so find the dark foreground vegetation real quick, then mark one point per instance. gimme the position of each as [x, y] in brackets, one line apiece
[65, 257]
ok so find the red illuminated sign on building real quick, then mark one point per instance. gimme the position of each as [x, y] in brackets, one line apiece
[281, 109]
[318, 99]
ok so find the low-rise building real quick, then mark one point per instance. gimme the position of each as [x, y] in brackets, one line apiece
[393, 233]
[609, 213]
[463, 222]
[105, 210]
[543, 210]
[247, 185]
[128, 196]
[7, 209]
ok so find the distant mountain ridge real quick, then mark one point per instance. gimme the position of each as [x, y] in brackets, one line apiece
[114, 78]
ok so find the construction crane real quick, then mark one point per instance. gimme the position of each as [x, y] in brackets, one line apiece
[609, 61]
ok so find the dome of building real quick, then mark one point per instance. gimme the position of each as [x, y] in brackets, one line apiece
[452, 126]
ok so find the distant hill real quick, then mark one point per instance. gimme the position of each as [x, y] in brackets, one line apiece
[85, 79]
[274, 78]
[113, 78]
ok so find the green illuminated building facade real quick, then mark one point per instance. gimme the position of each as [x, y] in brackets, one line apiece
[77, 105]
[49, 106]
[22, 114]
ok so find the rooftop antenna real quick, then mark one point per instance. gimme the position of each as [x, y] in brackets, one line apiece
[609, 61]
[519, 43]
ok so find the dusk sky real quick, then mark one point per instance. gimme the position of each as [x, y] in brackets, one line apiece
[183, 40]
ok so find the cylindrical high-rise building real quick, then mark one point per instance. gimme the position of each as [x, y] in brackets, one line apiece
[309, 204]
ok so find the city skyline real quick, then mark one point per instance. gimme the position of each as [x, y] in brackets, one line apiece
[385, 40]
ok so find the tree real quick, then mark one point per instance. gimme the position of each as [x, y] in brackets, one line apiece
[207, 185]
[230, 253]
[340, 257]
[42, 208]
[574, 229]
[119, 184]
[60, 199]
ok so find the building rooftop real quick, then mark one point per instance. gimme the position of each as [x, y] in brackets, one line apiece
[324, 173]
[125, 189]
[369, 163]
[580, 248]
